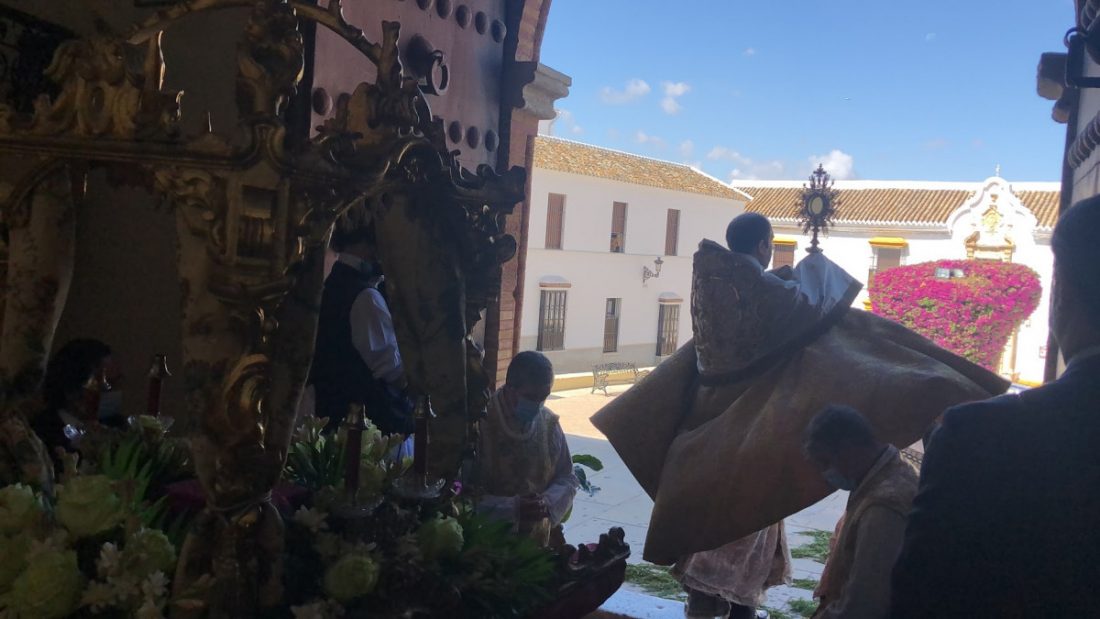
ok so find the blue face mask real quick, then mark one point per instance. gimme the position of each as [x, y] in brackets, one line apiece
[110, 404]
[527, 410]
[837, 480]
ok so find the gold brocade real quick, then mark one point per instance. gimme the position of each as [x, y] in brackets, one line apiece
[722, 461]
[514, 461]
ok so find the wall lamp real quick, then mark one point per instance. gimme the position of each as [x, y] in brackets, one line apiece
[647, 274]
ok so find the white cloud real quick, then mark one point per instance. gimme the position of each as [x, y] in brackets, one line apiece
[673, 91]
[931, 36]
[687, 149]
[721, 153]
[750, 52]
[635, 89]
[746, 168]
[642, 137]
[839, 164]
[562, 124]
[763, 170]
[936, 144]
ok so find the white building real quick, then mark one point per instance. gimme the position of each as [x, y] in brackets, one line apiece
[600, 219]
[881, 224]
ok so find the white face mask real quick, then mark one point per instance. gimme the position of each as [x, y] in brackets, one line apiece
[110, 404]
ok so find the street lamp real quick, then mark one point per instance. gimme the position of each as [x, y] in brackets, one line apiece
[647, 274]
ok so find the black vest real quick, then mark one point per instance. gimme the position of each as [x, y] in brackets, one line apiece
[339, 375]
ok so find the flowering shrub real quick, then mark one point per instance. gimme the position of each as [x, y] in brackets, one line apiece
[972, 316]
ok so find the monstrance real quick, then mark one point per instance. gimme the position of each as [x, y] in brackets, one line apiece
[817, 206]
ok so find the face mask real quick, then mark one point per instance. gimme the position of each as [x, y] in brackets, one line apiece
[110, 404]
[527, 410]
[837, 480]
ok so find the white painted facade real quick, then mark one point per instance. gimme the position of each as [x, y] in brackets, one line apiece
[594, 274]
[849, 245]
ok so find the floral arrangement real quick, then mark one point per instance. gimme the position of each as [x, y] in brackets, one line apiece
[103, 543]
[971, 312]
[98, 544]
[395, 557]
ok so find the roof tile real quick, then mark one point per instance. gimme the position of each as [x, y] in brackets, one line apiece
[912, 206]
[575, 158]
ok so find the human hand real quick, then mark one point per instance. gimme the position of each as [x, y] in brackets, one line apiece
[533, 507]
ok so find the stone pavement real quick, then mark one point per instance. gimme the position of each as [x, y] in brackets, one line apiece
[621, 502]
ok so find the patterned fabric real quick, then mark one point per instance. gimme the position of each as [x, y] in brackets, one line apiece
[740, 572]
[891, 484]
[516, 461]
[513, 462]
[742, 316]
[725, 460]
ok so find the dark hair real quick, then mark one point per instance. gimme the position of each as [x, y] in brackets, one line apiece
[530, 368]
[746, 231]
[1077, 255]
[836, 428]
[348, 231]
[70, 368]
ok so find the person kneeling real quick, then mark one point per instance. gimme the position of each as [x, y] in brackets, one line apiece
[842, 444]
[524, 468]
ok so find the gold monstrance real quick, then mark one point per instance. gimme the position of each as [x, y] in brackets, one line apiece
[818, 205]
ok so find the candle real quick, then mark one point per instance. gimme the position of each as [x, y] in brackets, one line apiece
[157, 371]
[354, 450]
[423, 413]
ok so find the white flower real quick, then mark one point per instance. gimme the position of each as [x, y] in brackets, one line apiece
[109, 560]
[98, 596]
[149, 610]
[154, 587]
[312, 519]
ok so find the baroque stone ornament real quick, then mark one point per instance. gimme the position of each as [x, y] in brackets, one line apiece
[253, 216]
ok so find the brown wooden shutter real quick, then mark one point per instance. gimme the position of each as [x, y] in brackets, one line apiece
[672, 232]
[555, 213]
[782, 255]
[888, 258]
[618, 227]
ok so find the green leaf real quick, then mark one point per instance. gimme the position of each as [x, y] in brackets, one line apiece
[590, 461]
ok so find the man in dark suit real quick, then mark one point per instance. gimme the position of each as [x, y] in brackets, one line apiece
[1006, 522]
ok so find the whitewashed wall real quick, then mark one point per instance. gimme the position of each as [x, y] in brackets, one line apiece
[849, 246]
[596, 274]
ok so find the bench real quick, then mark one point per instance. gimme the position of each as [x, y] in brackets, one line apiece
[604, 374]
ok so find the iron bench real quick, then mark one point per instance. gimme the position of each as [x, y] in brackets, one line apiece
[619, 372]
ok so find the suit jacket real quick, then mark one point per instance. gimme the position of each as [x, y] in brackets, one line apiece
[1006, 521]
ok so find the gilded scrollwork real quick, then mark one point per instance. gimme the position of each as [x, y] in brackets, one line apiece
[252, 218]
[109, 88]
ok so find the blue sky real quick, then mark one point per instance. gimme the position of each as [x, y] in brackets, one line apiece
[878, 89]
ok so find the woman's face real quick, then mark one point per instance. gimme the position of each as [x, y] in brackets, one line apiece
[105, 376]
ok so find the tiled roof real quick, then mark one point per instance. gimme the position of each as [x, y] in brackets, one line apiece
[575, 158]
[882, 204]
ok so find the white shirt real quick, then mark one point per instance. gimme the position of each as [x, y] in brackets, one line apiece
[372, 330]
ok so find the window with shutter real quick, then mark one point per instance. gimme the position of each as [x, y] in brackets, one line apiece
[672, 232]
[552, 320]
[555, 215]
[884, 256]
[668, 329]
[618, 227]
[782, 255]
[611, 325]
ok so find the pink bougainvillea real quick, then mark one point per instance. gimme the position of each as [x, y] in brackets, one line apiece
[972, 316]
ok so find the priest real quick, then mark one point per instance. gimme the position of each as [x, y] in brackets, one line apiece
[714, 433]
